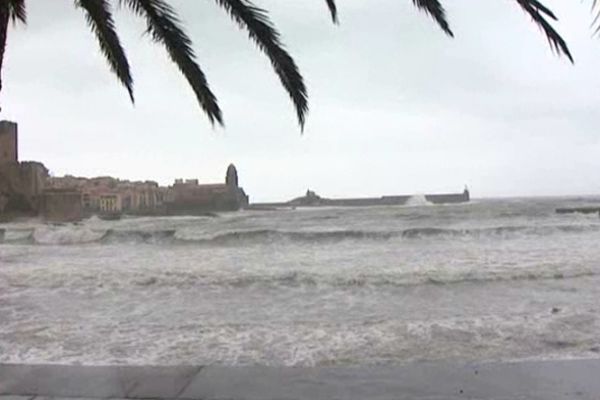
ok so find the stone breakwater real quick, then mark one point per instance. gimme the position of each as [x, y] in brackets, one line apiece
[311, 199]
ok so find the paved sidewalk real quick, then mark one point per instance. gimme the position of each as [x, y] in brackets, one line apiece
[544, 380]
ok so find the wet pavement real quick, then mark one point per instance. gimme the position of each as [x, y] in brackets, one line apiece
[547, 380]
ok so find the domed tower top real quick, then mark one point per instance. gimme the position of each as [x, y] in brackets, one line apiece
[231, 179]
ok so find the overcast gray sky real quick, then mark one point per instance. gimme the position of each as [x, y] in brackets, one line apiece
[396, 106]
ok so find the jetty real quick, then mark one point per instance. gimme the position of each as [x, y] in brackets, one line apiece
[312, 199]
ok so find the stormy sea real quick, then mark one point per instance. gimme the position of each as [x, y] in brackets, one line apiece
[505, 279]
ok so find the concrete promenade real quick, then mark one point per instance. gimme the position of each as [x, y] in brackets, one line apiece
[543, 380]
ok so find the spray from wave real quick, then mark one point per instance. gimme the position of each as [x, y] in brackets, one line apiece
[418, 200]
[77, 235]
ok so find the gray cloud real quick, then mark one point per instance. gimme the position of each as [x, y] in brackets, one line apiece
[395, 105]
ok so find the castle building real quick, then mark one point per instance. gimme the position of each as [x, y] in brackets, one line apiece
[190, 197]
[9, 151]
[21, 183]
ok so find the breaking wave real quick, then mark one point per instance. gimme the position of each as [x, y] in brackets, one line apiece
[418, 201]
[133, 236]
[499, 231]
[21, 236]
[295, 279]
[270, 235]
[65, 235]
[75, 235]
[303, 279]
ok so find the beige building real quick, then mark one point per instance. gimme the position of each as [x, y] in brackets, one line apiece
[141, 196]
[111, 195]
[110, 203]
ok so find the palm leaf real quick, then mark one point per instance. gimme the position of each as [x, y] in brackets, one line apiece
[333, 10]
[437, 12]
[263, 33]
[543, 9]
[596, 21]
[163, 25]
[16, 10]
[538, 12]
[100, 20]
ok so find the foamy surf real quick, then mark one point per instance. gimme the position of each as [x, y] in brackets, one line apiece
[381, 285]
[78, 235]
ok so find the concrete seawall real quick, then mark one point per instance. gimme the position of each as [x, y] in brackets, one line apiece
[548, 380]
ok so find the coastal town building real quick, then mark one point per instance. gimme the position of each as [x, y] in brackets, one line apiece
[110, 203]
[27, 189]
[62, 205]
[110, 195]
[107, 195]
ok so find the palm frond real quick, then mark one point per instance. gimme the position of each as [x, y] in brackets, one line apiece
[4, 21]
[333, 10]
[538, 12]
[264, 34]
[596, 21]
[435, 9]
[17, 11]
[543, 9]
[163, 25]
[100, 20]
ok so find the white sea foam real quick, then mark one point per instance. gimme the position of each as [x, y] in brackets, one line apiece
[69, 234]
[418, 200]
[497, 279]
[301, 344]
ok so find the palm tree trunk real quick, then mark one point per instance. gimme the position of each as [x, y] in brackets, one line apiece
[3, 33]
